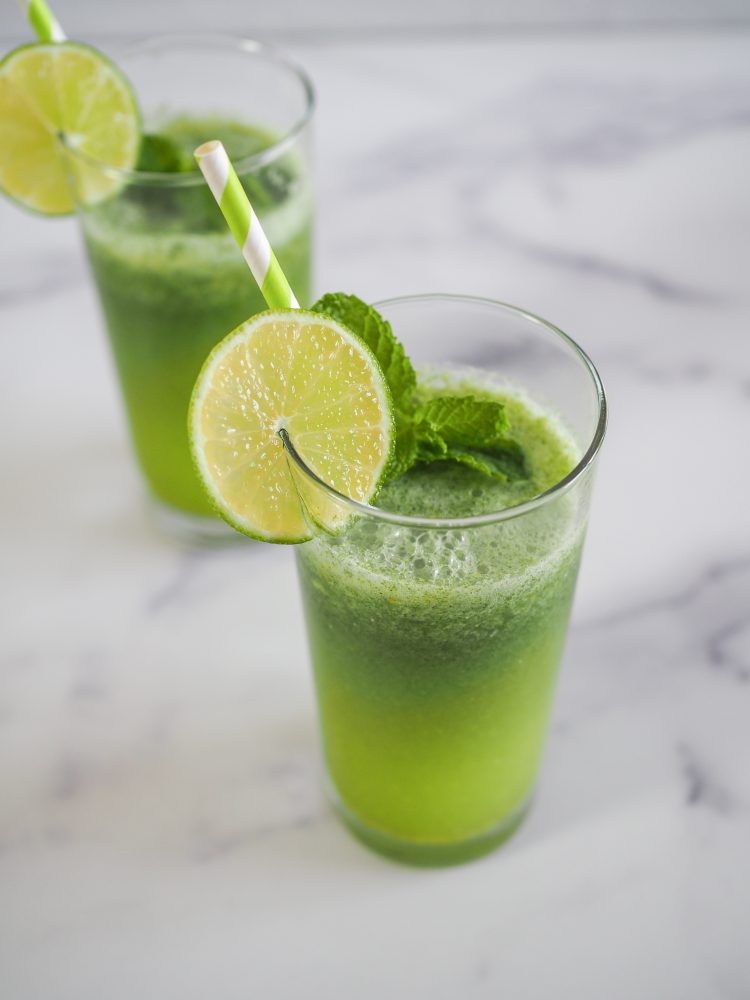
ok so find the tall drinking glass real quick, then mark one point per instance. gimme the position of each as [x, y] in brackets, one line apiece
[170, 279]
[435, 640]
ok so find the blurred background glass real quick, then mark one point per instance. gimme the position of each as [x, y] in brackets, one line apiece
[170, 279]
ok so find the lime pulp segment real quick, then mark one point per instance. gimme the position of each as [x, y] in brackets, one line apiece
[54, 96]
[309, 375]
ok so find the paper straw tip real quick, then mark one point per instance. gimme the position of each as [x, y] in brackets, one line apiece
[207, 148]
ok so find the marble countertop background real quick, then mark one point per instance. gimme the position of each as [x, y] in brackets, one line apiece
[338, 20]
[162, 831]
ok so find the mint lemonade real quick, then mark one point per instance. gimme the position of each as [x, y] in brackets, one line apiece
[172, 284]
[115, 143]
[170, 280]
[435, 650]
[441, 524]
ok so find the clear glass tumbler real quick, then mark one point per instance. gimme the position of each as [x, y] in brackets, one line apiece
[435, 641]
[170, 278]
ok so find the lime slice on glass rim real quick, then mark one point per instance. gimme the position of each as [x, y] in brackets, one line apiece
[306, 374]
[58, 95]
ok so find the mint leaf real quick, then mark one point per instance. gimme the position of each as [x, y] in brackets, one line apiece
[464, 420]
[405, 447]
[471, 431]
[507, 467]
[376, 332]
[278, 179]
[430, 446]
[269, 186]
[161, 155]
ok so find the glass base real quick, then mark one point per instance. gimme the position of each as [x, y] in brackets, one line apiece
[426, 855]
[182, 527]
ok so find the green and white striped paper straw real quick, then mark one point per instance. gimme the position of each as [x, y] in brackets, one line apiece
[245, 226]
[44, 22]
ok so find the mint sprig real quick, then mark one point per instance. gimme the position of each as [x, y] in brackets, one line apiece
[440, 428]
[162, 155]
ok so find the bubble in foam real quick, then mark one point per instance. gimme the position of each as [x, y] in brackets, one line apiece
[432, 555]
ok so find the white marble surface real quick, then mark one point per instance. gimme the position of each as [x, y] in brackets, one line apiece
[162, 833]
[325, 20]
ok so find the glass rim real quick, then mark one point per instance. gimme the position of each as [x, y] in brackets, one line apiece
[508, 513]
[249, 46]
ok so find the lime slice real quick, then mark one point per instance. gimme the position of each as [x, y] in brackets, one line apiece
[309, 375]
[53, 96]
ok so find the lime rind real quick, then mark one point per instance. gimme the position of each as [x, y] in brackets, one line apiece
[308, 506]
[46, 107]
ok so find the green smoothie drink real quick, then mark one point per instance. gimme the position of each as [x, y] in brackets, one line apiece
[437, 618]
[170, 280]
[432, 458]
[435, 652]
[171, 284]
